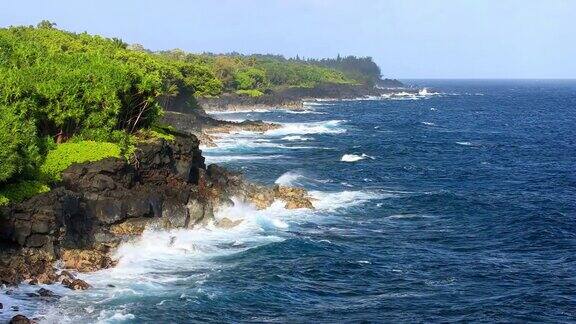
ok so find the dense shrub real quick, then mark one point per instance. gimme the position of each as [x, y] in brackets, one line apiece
[261, 72]
[56, 84]
[64, 155]
[19, 191]
[250, 93]
[19, 149]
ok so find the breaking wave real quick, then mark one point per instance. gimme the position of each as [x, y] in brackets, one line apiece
[354, 157]
[323, 127]
[292, 138]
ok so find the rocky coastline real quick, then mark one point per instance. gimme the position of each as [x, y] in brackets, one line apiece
[99, 205]
[77, 226]
[208, 129]
[294, 98]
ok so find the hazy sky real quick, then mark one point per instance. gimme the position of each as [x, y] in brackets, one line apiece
[407, 38]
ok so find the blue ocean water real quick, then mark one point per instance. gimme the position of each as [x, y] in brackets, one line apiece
[454, 205]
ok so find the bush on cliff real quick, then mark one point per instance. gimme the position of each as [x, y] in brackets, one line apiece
[64, 155]
[19, 150]
[250, 93]
[56, 84]
[20, 191]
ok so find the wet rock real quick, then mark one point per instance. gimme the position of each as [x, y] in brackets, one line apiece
[14, 308]
[43, 292]
[32, 295]
[75, 284]
[262, 199]
[67, 274]
[1, 306]
[110, 286]
[295, 198]
[129, 227]
[257, 126]
[17, 265]
[20, 319]
[86, 260]
[227, 223]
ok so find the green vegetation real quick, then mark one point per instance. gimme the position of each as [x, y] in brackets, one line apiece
[361, 69]
[68, 98]
[17, 192]
[250, 93]
[56, 86]
[158, 132]
[262, 72]
[64, 155]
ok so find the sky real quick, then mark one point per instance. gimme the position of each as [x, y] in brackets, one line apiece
[407, 38]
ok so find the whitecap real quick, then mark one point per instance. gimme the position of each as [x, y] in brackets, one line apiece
[354, 157]
[331, 201]
[293, 138]
[239, 111]
[303, 112]
[464, 143]
[229, 158]
[288, 178]
[428, 123]
[116, 317]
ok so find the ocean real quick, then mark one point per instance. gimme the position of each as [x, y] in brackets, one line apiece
[455, 204]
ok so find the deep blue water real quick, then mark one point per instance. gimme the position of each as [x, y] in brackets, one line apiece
[481, 225]
[462, 209]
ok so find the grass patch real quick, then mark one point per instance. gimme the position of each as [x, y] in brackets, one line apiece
[163, 132]
[251, 93]
[64, 155]
[20, 191]
[156, 132]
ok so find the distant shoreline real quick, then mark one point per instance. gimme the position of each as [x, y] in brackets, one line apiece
[294, 98]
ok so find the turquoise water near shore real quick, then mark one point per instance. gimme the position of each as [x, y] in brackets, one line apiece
[457, 204]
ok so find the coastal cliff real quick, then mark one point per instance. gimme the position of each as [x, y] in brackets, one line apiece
[99, 205]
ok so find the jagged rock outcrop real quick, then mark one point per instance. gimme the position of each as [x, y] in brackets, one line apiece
[100, 204]
[197, 122]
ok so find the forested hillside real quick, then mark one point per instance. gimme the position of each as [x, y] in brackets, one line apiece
[58, 87]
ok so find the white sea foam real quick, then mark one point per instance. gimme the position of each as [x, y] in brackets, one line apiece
[317, 103]
[160, 258]
[464, 143]
[323, 127]
[307, 111]
[332, 201]
[354, 157]
[288, 178]
[292, 138]
[428, 123]
[228, 158]
[240, 111]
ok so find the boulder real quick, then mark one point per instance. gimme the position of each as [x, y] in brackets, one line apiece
[43, 292]
[20, 319]
[294, 197]
[227, 223]
[75, 284]
[86, 260]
